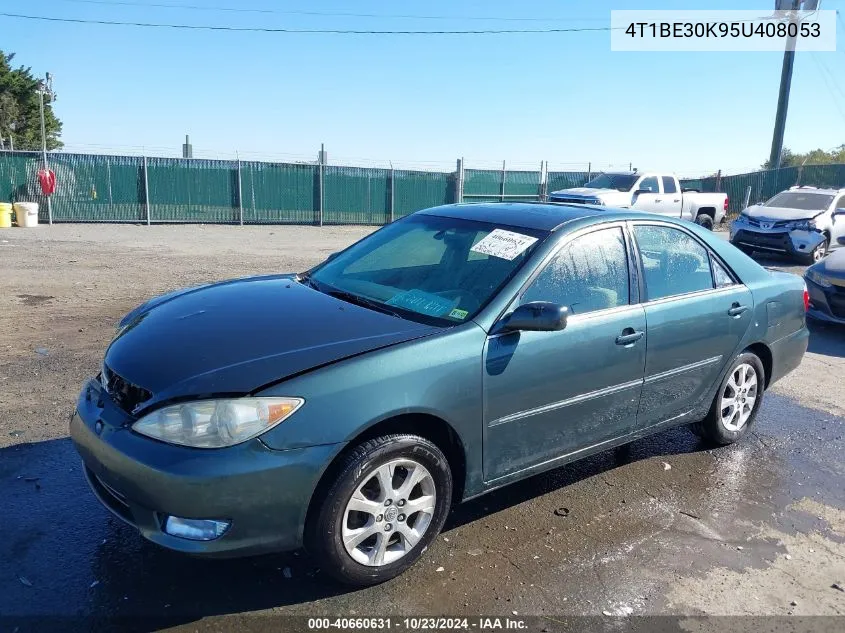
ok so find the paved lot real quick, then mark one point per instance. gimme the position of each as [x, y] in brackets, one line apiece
[667, 527]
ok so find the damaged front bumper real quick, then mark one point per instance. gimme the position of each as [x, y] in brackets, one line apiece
[795, 242]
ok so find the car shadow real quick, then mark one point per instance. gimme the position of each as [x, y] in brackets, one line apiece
[826, 338]
[66, 561]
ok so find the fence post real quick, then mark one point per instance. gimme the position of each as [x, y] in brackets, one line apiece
[589, 171]
[540, 191]
[459, 185]
[111, 198]
[504, 177]
[240, 195]
[392, 193]
[747, 197]
[718, 181]
[146, 191]
[322, 165]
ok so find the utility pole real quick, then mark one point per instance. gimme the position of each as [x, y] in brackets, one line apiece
[785, 84]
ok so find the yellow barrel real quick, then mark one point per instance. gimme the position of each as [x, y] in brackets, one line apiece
[5, 215]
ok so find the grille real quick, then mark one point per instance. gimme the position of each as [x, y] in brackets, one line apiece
[574, 200]
[775, 225]
[123, 393]
[776, 241]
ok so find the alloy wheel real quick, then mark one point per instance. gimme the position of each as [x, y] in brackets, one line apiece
[738, 397]
[389, 512]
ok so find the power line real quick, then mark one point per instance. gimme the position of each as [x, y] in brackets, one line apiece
[244, 29]
[823, 71]
[129, 3]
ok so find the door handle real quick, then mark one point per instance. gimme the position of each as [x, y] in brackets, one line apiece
[629, 336]
[676, 200]
[657, 200]
[737, 310]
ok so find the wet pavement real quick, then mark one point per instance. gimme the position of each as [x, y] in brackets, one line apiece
[619, 532]
[665, 526]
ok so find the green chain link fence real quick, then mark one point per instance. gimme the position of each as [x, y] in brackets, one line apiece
[98, 188]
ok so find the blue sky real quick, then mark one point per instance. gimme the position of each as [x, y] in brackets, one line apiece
[420, 100]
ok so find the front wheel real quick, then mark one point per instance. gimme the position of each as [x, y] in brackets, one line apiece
[704, 221]
[388, 502]
[736, 403]
[818, 254]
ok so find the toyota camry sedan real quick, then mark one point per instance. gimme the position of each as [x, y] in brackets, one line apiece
[347, 408]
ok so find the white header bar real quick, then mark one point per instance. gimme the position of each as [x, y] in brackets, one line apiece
[711, 30]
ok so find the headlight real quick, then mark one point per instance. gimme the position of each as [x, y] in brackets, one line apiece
[802, 225]
[216, 423]
[741, 219]
[817, 278]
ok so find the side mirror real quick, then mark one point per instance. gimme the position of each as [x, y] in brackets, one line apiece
[641, 191]
[332, 256]
[537, 316]
[839, 211]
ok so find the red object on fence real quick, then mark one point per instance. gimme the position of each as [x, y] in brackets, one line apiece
[47, 178]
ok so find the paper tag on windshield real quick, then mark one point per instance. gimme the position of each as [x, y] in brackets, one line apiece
[504, 244]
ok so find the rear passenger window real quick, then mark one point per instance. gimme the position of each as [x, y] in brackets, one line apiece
[673, 262]
[720, 275]
[589, 274]
[669, 184]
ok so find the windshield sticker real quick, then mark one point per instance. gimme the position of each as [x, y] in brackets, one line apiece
[458, 314]
[422, 302]
[504, 244]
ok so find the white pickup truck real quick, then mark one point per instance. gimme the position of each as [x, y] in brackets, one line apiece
[648, 191]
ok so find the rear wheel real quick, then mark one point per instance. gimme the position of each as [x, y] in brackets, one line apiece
[705, 221]
[388, 502]
[736, 403]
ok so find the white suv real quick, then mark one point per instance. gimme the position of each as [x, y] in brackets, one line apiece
[801, 221]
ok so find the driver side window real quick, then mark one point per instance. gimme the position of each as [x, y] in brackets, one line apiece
[650, 184]
[588, 274]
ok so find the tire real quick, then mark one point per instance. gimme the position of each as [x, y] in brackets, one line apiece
[818, 254]
[392, 541]
[714, 428]
[705, 221]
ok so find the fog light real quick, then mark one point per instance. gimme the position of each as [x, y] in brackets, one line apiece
[196, 529]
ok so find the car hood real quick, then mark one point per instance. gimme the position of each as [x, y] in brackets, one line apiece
[236, 336]
[833, 265]
[758, 211]
[585, 191]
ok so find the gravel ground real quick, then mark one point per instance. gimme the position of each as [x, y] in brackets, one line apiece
[756, 528]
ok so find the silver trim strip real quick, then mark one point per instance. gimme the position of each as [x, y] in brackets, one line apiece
[598, 393]
[681, 370]
[606, 391]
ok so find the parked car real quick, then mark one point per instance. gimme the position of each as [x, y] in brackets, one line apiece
[826, 284]
[648, 191]
[447, 354]
[799, 222]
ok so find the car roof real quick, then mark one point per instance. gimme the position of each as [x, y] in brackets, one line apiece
[535, 215]
[812, 189]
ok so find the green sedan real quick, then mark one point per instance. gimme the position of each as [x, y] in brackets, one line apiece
[347, 408]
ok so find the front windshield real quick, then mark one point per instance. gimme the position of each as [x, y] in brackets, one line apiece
[620, 182]
[801, 200]
[429, 268]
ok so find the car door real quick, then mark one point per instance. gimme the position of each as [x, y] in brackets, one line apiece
[696, 312]
[549, 394]
[670, 203]
[647, 196]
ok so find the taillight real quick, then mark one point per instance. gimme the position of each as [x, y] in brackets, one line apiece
[806, 299]
[726, 202]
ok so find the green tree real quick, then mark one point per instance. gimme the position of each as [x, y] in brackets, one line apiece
[814, 157]
[20, 118]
